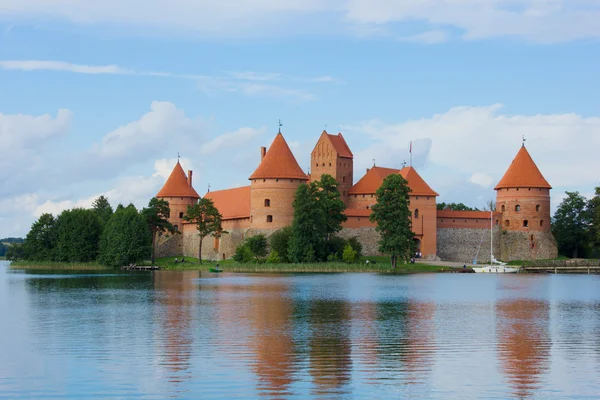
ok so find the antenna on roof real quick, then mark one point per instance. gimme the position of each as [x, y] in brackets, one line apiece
[373, 162]
[404, 164]
[209, 187]
[280, 125]
[177, 156]
[524, 140]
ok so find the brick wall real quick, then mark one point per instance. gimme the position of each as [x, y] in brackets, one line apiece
[280, 193]
[534, 207]
[178, 206]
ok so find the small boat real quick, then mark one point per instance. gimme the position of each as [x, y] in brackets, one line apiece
[495, 266]
[215, 269]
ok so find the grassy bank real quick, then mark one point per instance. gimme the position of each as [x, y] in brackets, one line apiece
[52, 265]
[381, 264]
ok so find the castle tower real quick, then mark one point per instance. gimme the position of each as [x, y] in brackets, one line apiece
[273, 185]
[523, 198]
[332, 156]
[179, 193]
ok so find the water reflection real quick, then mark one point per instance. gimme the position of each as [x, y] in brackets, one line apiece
[175, 300]
[524, 343]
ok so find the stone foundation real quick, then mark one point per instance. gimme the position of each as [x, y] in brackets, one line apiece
[462, 244]
[367, 237]
[169, 246]
[528, 246]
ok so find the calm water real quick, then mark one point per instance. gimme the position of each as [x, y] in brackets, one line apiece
[191, 335]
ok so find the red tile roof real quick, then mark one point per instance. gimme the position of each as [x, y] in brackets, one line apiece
[523, 173]
[373, 179]
[232, 203]
[279, 162]
[465, 214]
[177, 185]
[340, 145]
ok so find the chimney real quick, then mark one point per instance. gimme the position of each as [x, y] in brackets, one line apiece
[367, 169]
[190, 177]
[263, 152]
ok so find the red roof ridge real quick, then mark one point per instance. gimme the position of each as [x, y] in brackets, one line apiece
[177, 185]
[374, 177]
[232, 203]
[279, 162]
[522, 173]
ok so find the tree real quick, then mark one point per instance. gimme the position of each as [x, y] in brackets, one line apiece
[258, 245]
[243, 254]
[102, 208]
[15, 252]
[126, 238]
[455, 207]
[593, 208]
[393, 218]
[329, 199]
[279, 242]
[40, 242]
[207, 219]
[77, 235]
[349, 255]
[157, 216]
[307, 239]
[570, 224]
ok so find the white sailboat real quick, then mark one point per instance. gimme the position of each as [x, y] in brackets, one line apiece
[495, 266]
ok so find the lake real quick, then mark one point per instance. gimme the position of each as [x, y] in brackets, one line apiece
[195, 334]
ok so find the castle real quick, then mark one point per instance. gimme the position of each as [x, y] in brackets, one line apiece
[520, 223]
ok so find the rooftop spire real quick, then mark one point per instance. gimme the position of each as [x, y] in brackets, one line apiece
[279, 162]
[523, 173]
[177, 185]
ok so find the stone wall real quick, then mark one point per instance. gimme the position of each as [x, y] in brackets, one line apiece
[169, 246]
[462, 244]
[224, 248]
[367, 237]
[528, 246]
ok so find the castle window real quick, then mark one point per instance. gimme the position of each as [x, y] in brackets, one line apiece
[525, 223]
[180, 215]
[542, 223]
[417, 213]
[291, 180]
[417, 197]
[363, 196]
[531, 237]
[503, 208]
[277, 180]
[507, 223]
[344, 193]
[367, 207]
[323, 164]
[330, 164]
[343, 179]
[427, 197]
[517, 189]
[538, 208]
[317, 165]
[497, 222]
[529, 189]
[267, 203]
[371, 196]
[175, 228]
[517, 208]
[269, 218]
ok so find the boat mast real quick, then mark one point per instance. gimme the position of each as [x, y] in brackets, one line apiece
[491, 235]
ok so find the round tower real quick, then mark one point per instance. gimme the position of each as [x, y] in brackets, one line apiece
[179, 193]
[523, 196]
[273, 186]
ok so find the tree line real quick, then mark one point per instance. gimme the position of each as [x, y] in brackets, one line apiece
[576, 225]
[6, 244]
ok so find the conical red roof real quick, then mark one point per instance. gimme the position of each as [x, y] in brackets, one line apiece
[523, 173]
[279, 162]
[373, 179]
[177, 185]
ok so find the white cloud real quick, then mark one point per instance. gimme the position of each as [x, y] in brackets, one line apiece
[429, 37]
[480, 142]
[23, 131]
[238, 138]
[535, 20]
[482, 179]
[36, 65]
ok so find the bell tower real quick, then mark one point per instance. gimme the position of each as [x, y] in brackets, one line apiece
[332, 156]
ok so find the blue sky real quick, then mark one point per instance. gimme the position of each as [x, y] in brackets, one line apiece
[99, 97]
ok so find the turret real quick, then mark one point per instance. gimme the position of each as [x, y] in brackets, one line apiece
[332, 156]
[523, 196]
[273, 186]
[179, 193]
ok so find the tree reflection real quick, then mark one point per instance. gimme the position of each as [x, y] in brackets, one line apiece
[523, 343]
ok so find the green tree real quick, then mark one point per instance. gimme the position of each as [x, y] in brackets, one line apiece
[329, 200]
[279, 242]
[455, 207]
[126, 238]
[103, 209]
[157, 216]
[353, 241]
[77, 235]
[207, 219]
[393, 218]
[243, 254]
[258, 245]
[593, 208]
[15, 252]
[349, 255]
[273, 257]
[570, 224]
[40, 242]
[308, 228]
[335, 247]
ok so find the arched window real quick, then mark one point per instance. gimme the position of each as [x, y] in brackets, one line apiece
[503, 208]
[180, 215]
[330, 164]
[507, 223]
[343, 179]
[269, 218]
[525, 223]
[417, 213]
[175, 228]
[323, 164]
[538, 208]
[517, 208]
[542, 223]
[267, 202]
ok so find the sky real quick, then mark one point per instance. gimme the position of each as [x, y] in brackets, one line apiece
[100, 97]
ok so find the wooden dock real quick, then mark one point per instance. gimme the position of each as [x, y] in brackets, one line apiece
[563, 267]
[140, 268]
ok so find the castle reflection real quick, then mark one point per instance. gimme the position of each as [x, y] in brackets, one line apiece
[175, 294]
[523, 343]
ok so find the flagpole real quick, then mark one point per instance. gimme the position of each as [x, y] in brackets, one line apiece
[410, 151]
